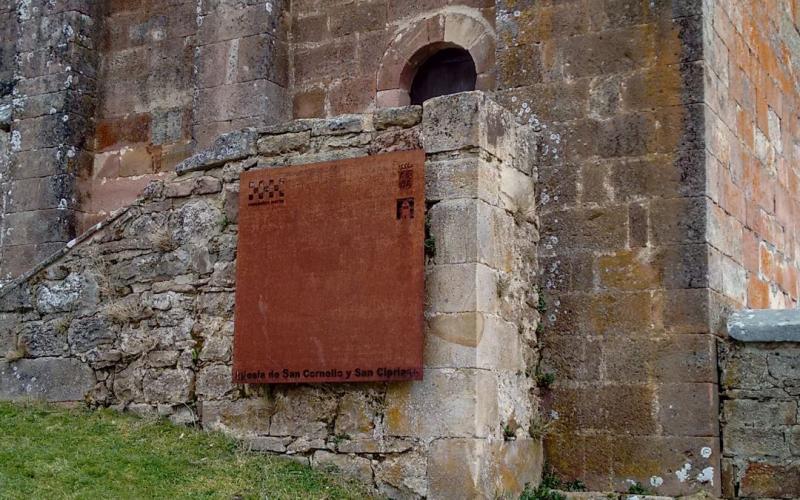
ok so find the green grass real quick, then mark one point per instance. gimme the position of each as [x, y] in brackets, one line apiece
[54, 453]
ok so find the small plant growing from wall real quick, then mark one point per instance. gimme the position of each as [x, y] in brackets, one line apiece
[98, 267]
[510, 429]
[539, 426]
[125, 311]
[430, 241]
[545, 380]
[340, 438]
[199, 342]
[637, 489]
[163, 240]
[541, 304]
[19, 351]
[541, 307]
[61, 325]
[224, 222]
[551, 482]
[541, 493]
[503, 286]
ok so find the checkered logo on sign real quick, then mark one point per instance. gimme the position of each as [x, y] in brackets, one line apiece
[270, 191]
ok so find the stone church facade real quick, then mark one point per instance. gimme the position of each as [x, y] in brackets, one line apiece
[661, 140]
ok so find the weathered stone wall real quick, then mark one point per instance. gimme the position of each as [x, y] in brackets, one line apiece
[760, 396]
[110, 95]
[616, 88]
[8, 30]
[173, 77]
[338, 47]
[48, 76]
[138, 314]
[5, 165]
[146, 85]
[752, 66]
[242, 63]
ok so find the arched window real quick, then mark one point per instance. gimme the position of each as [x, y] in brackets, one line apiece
[445, 53]
[447, 71]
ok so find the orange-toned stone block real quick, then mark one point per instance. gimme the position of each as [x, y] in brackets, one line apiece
[473, 468]
[765, 480]
[750, 245]
[627, 270]
[757, 293]
[135, 161]
[766, 261]
[117, 193]
[309, 104]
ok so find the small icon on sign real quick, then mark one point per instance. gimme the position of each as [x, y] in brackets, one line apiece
[405, 208]
[405, 174]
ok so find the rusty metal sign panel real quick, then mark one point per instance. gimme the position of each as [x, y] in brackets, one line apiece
[330, 272]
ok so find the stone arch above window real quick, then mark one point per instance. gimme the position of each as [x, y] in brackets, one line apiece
[414, 45]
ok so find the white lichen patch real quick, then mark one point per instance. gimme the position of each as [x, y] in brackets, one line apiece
[16, 141]
[24, 9]
[705, 452]
[683, 472]
[706, 475]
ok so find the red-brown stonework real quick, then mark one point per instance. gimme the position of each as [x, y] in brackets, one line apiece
[773, 481]
[753, 151]
[173, 76]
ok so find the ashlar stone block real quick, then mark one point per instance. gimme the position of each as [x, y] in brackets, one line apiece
[471, 230]
[455, 288]
[448, 403]
[473, 468]
[473, 340]
[462, 175]
[454, 468]
[452, 123]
